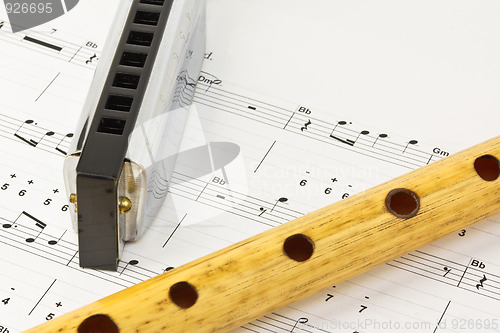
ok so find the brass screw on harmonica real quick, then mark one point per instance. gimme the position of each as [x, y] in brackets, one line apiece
[124, 204]
[72, 199]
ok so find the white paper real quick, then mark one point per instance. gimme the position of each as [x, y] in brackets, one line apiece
[313, 102]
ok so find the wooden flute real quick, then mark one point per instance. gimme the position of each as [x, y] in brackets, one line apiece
[254, 277]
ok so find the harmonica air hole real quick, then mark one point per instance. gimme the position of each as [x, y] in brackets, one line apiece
[487, 167]
[140, 38]
[402, 203]
[119, 103]
[126, 80]
[134, 59]
[183, 294]
[111, 126]
[298, 247]
[153, 2]
[98, 323]
[148, 18]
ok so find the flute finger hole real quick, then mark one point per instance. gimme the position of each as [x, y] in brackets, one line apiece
[402, 203]
[487, 167]
[98, 323]
[183, 294]
[298, 247]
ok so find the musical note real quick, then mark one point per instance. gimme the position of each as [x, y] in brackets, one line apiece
[305, 125]
[380, 136]
[30, 142]
[90, 60]
[1, 24]
[447, 270]
[346, 141]
[349, 142]
[132, 263]
[262, 210]
[54, 242]
[49, 133]
[279, 200]
[364, 132]
[301, 320]
[411, 142]
[69, 135]
[38, 223]
[480, 284]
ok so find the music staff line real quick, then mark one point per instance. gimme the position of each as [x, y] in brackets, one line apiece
[41, 249]
[466, 277]
[213, 198]
[28, 132]
[469, 278]
[363, 145]
[232, 201]
[403, 155]
[268, 107]
[66, 253]
[63, 252]
[217, 97]
[375, 146]
[52, 46]
[108, 277]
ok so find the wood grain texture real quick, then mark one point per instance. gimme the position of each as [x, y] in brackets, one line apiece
[254, 277]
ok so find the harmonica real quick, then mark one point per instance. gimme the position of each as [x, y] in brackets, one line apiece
[266, 272]
[122, 155]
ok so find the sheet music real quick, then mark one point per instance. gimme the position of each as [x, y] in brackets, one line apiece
[298, 106]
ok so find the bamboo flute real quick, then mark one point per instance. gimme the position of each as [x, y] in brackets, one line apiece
[266, 272]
